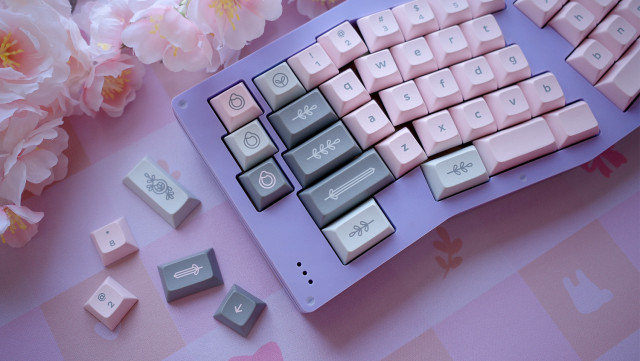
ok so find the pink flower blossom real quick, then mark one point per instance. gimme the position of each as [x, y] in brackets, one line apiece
[31, 145]
[161, 32]
[106, 22]
[18, 224]
[236, 22]
[112, 85]
[313, 8]
[33, 65]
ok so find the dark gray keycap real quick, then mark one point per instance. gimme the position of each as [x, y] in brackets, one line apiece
[322, 154]
[191, 274]
[347, 187]
[302, 118]
[279, 86]
[240, 310]
[265, 184]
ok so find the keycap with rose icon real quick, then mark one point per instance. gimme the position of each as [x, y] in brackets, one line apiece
[110, 303]
[265, 184]
[161, 192]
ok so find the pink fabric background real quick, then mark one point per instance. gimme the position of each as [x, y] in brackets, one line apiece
[506, 301]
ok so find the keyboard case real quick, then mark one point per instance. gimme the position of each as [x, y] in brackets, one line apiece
[287, 235]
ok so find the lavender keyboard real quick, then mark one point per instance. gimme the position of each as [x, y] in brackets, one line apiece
[344, 142]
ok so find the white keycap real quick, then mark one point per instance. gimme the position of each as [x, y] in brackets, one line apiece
[161, 192]
[454, 172]
[250, 145]
[114, 241]
[110, 303]
[358, 230]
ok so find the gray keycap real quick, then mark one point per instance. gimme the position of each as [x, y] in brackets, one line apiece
[321, 154]
[161, 192]
[265, 184]
[302, 118]
[350, 185]
[279, 86]
[191, 274]
[454, 172]
[240, 310]
[250, 145]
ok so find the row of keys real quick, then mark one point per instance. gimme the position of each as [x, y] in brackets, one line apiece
[601, 31]
[492, 154]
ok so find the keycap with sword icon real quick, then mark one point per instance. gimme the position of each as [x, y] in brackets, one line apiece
[191, 274]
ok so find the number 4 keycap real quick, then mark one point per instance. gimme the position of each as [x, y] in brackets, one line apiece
[110, 303]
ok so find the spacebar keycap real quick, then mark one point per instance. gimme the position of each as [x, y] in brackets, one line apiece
[346, 188]
[516, 145]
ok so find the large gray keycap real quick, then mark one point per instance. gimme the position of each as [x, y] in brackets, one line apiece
[302, 118]
[265, 184]
[344, 189]
[191, 274]
[279, 86]
[161, 192]
[240, 310]
[321, 154]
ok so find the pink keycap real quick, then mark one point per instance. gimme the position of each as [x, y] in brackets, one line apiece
[110, 303]
[509, 65]
[401, 152]
[483, 35]
[450, 12]
[403, 102]
[344, 92]
[437, 132]
[439, 89]
[380, 30]
[312, 66]
[630, 11]
[368, 124]
[516, 145]
[114, 241]
[539, 11]
[572, 124]
[599, 8]
[508, 106]
[591, 59]
[620, 84]
[378, 70]
[484, 7]
[543, 93]
[474, 77]
[473, 119]
[573, 22]
[616, 34]
[414, 58]
[342, 44]
[449, 46]
[235, 107]
[415, 18]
